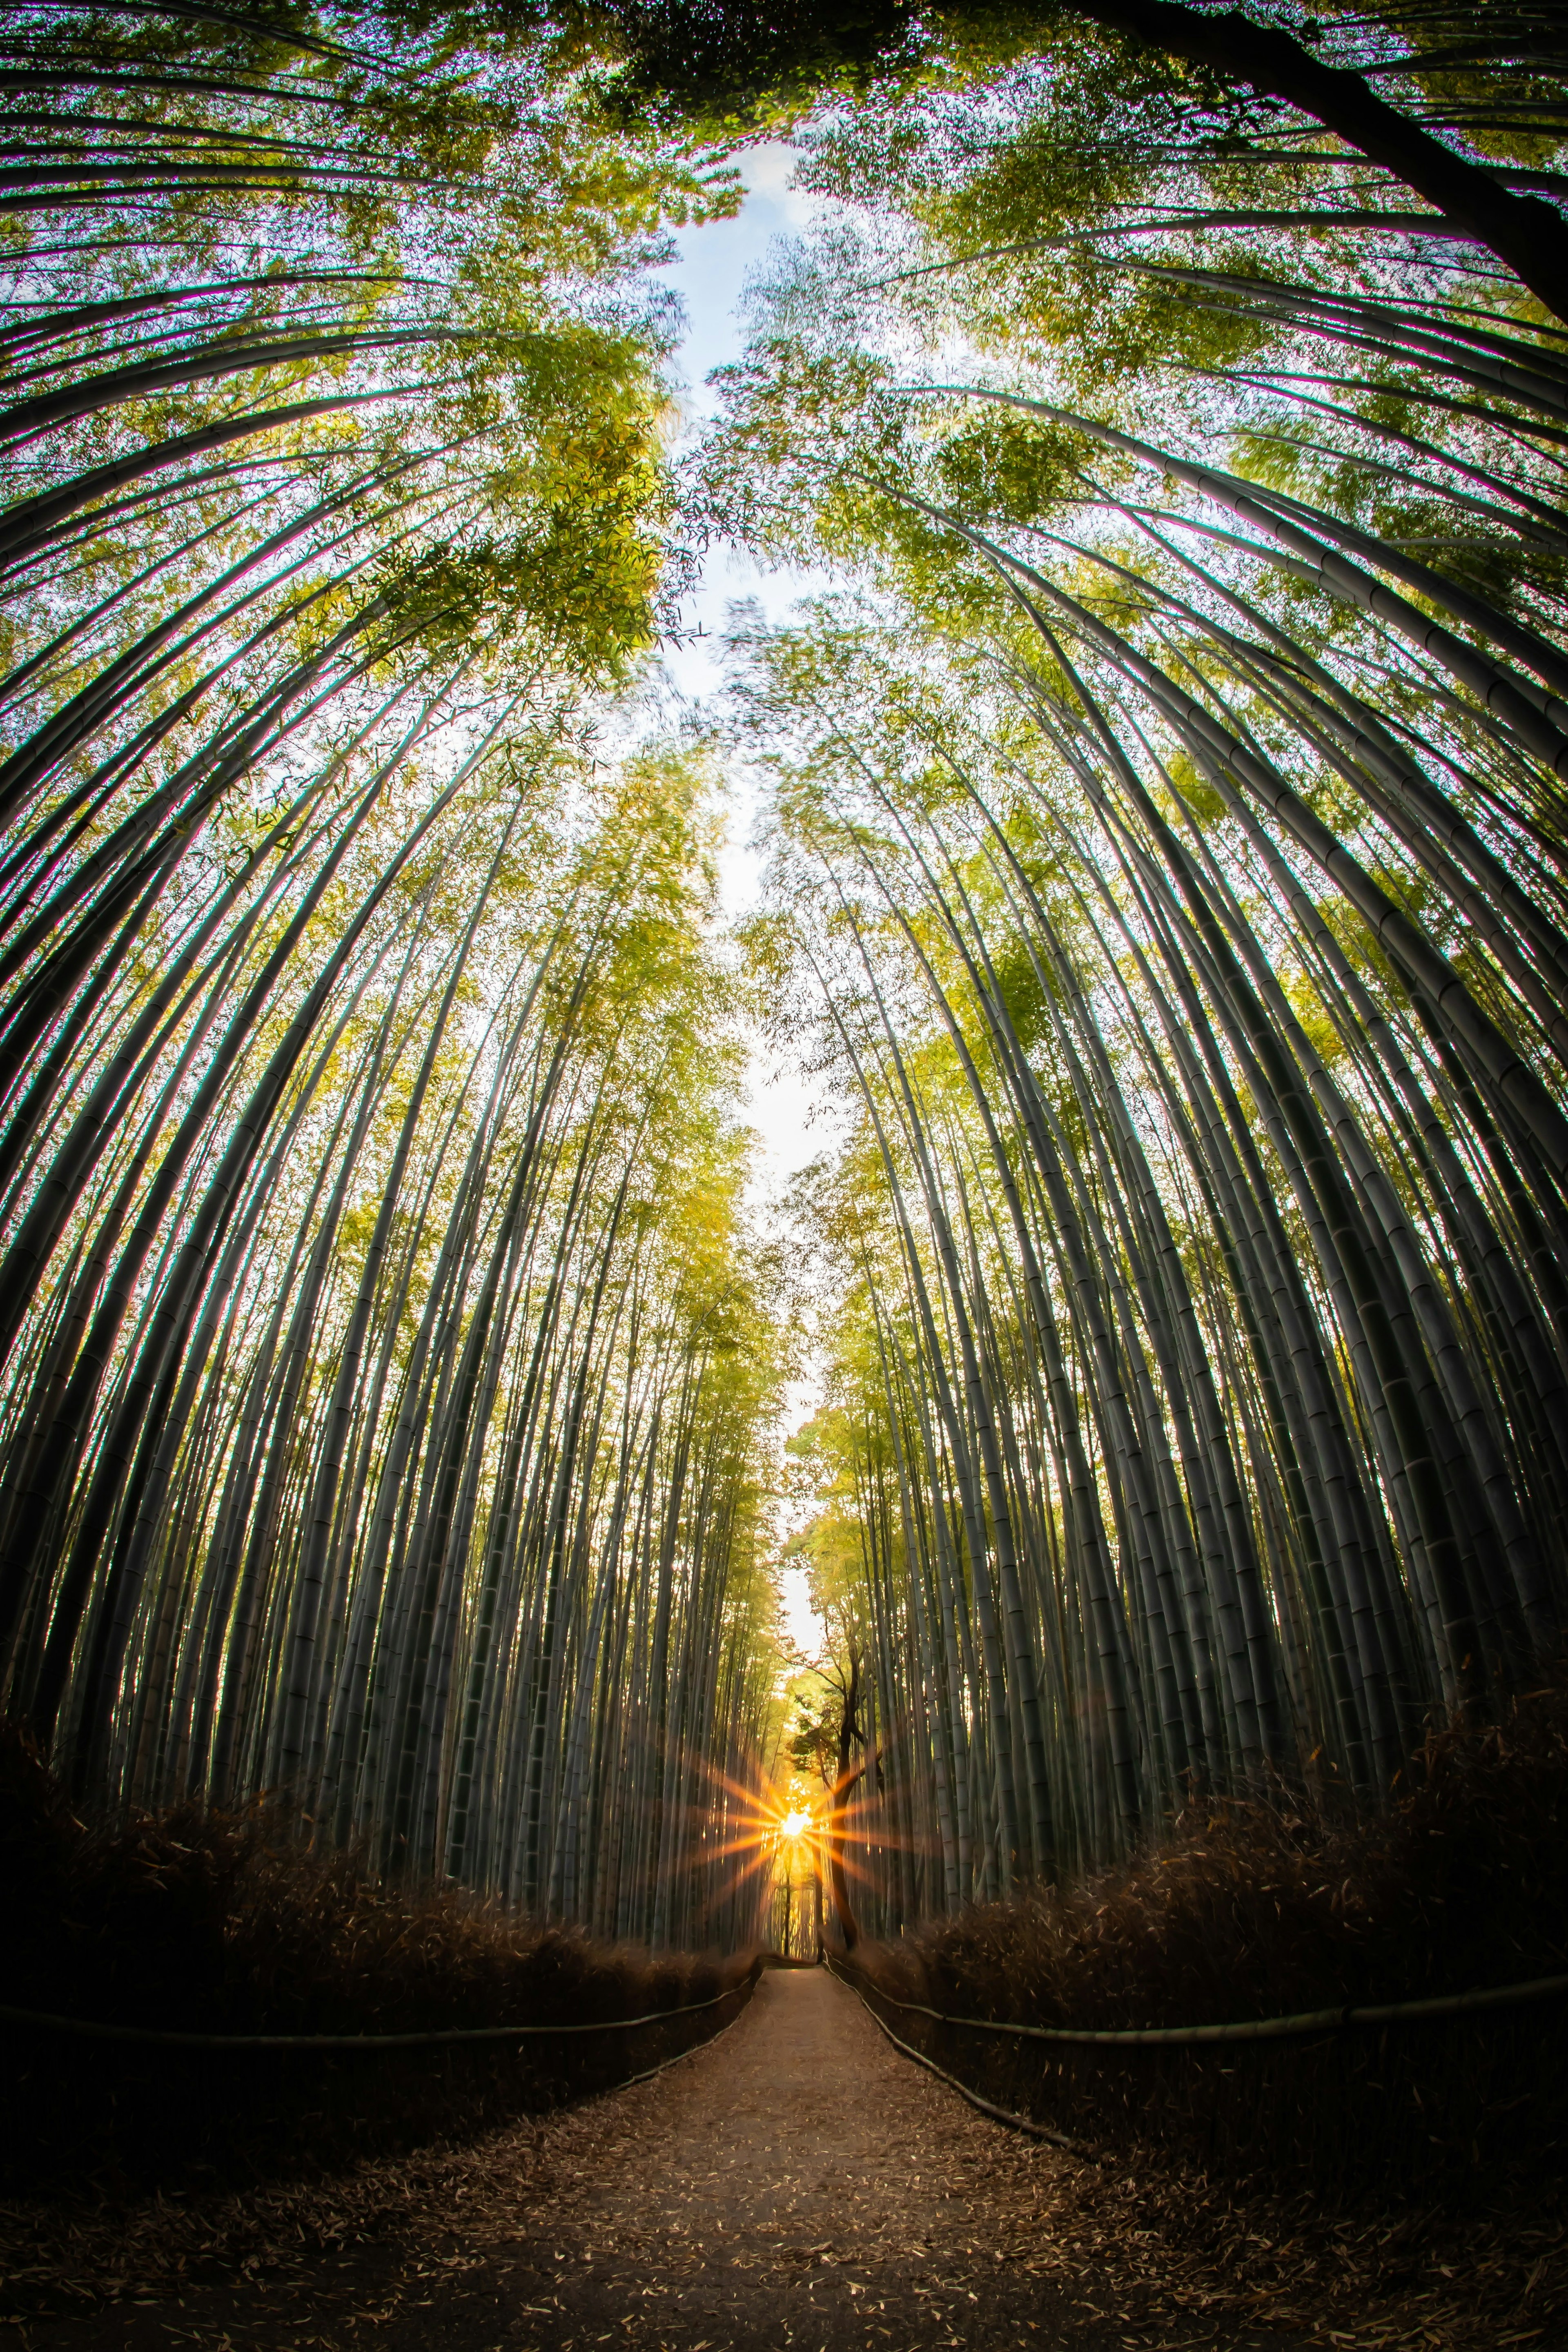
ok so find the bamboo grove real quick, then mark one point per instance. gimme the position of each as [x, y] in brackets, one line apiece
[387, 1365]
[1169, 831]
[1167, 845]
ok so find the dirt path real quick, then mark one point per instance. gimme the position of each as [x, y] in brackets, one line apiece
[795, 2183]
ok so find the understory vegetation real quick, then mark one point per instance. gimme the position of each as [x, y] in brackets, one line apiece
[194, 1921]
[1261, 1909]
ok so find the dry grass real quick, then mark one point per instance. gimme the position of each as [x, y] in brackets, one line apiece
[1267, 1908]
[222, 1923]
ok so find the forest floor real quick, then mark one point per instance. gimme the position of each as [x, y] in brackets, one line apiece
[795, 2183]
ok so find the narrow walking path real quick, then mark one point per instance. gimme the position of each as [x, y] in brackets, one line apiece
[795, 2183]
[799, 2183]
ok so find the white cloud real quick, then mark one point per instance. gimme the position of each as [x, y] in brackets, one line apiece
[768, 172]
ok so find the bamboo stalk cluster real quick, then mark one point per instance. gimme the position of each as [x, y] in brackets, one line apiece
[1169, 818]
[386, 1378]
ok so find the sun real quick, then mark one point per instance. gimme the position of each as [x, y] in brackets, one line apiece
[795, 1824]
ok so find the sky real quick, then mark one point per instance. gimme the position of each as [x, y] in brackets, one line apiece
[709, 277]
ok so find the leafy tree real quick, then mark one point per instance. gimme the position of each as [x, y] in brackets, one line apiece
[740, 66]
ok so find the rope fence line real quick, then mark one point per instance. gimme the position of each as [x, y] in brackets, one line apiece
[1265, 2028]
[1272, 2028]
[168, 2037]
[648, 2072]
[987, 2106]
